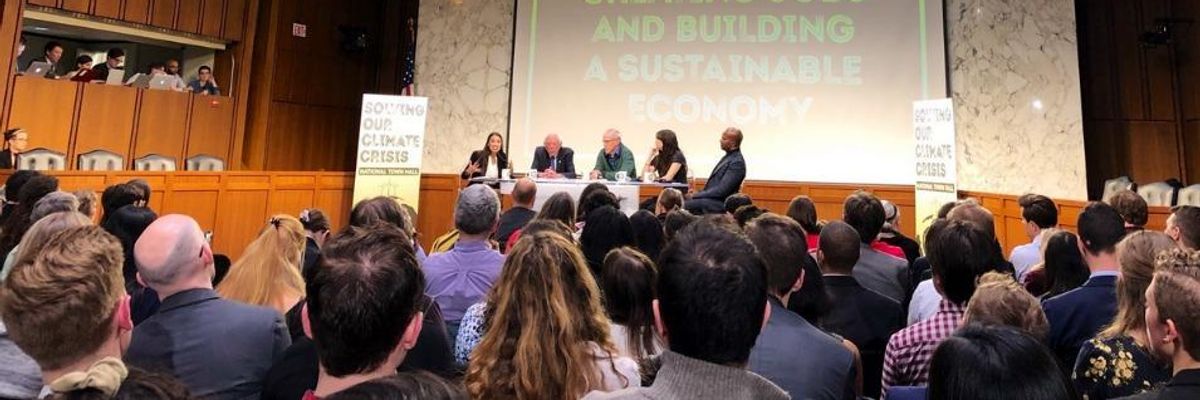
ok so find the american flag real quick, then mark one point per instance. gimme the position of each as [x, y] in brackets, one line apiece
[408, 78]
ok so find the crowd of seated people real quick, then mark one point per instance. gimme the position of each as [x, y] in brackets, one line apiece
[85, 70]
[103, 298]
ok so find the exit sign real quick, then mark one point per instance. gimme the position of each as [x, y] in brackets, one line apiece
[299, 30]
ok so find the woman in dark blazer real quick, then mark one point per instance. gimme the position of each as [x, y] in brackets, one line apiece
[15, 141]
[489, 161]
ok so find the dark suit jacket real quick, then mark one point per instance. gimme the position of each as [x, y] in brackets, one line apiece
[566, 161]
[218, 348]
[802, 359]
[6, 161]
[513, 219]
[480, 157]
[726, 179]
[866, 318]
[1078, 315]
[1184, 386]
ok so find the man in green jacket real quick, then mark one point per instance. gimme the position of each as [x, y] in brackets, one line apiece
[615, 157]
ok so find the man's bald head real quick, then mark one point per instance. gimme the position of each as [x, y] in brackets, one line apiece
[973, 213]
[170, 251]
[524, 192]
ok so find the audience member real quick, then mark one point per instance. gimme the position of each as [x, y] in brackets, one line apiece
[670, 199]
[20, 51]
[115, 60]
[12, 188]
[83, 69]
[89, 205]
[726, 178]
[363, 308]
[462, 276]
[1184, 226]
[268, 272]
[999, 300]
[144, 189]
[804, 211]
[926, 299]
[316, 232]
[204, 83]
[523, 195]
[995, 363]
[1063, 266]
[1116, 362]
[552, 160]
[174, 260]
[545, 291]
[891, 235]
[1038, 213]
[417, 385]
[880, 272]
[117, 196]
[627, 282]
[51, 54]
[1034, 280]
[559, 207]
[66, 308]
[614, 157]
[1078, 315]
[586, 193]
[1172, 303]
[812, 301]
[606, 229]
[16, 140]
[20, 377]
[748, 213]
[862, 316]
[736, 201]
[958, 253]
[803, 360]
[1132, 208]
[471, 328]
[127, 224]
[53, 202]
[675, 222]
[712, 302]
[411, 214]
[15, 226]
[595, 200]
[647, 233]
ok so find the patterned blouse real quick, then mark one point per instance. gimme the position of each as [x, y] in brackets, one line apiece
[470, 332]
[1116, 367]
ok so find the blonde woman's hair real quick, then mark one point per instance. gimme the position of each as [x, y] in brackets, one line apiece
[544, 317]
[269, 271]
[1000, 300]
[41, 231]
[1136, 254]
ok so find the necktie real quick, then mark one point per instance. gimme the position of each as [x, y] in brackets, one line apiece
[554, 163]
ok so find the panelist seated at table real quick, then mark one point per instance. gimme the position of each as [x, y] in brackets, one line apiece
[614, 158]
[15, 142]
[726, 178]
[487, 163]
[552, 161]
[666, 159]
[115, 61]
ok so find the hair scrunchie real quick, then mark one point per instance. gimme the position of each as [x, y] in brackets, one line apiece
[105, 375]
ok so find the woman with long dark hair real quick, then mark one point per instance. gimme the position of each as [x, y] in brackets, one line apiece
[802, 210]
[1063, 267]
[666, 159]
[18, 222]
[605, 229]
[489, 161]
[628, 283]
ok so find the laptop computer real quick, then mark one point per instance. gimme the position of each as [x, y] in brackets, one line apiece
[116, 77]
[139, 81]
[38, 68]
[163, 82]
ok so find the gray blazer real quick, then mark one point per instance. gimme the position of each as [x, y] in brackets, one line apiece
[683, 378]
[883, 273]
[218, 348]
[804, 361]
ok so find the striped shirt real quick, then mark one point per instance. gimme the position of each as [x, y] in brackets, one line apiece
[906, 360]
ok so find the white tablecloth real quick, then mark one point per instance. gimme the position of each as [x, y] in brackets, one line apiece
[627, 192]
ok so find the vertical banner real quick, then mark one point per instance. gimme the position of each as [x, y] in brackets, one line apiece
[937, 173]
[391, 140]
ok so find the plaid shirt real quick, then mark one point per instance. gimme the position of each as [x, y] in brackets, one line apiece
[906, 360]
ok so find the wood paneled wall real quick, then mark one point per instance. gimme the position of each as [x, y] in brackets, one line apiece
[75, 118]
[220, 19]
[1140, 104]
[306, 102]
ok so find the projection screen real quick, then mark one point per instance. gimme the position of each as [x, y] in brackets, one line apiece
[822, 89]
